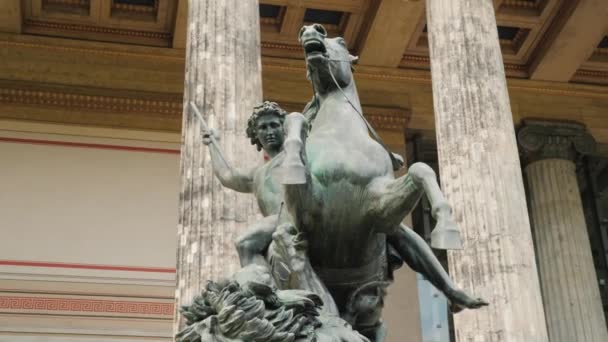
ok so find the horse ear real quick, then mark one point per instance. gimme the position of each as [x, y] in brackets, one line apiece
[353, 61]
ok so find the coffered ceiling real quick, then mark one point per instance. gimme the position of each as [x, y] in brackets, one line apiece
[558, 40]
[146, 22]
[393, 33]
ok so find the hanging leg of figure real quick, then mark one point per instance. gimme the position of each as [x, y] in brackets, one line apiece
[418, 256]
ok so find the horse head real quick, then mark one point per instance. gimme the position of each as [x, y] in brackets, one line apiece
[328, 60]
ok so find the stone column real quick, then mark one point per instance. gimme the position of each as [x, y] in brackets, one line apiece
[223, 76]
[571, 295]
[481, 175]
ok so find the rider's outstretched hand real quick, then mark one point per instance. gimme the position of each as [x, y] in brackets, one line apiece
[207, 136]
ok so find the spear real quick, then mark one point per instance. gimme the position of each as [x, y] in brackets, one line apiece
[207, 130]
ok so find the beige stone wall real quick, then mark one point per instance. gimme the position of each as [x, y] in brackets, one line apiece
[88, 234]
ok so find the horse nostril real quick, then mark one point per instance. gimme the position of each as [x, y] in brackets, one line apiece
[320, 29]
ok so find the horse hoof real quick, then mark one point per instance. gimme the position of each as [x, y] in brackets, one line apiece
[446, 239]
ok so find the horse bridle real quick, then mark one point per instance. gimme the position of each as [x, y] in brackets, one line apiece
[397, 164]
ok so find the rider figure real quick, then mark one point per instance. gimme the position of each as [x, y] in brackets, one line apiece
[265, 129]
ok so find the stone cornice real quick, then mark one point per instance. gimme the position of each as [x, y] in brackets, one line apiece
[382, 118]
[553, 140]
[36, 26]
[424, 76]
[149, 105]
[85, 47]
[282, 64]
[57, 98]
[90, 106]
[423, 62]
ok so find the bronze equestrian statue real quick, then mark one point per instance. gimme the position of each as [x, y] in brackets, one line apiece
[341, 235]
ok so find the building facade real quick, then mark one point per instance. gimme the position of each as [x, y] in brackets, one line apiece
[91, 109]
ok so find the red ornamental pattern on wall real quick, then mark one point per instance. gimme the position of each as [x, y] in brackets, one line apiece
[86, 305]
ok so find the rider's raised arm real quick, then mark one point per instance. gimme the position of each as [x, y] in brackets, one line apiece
[230, 177]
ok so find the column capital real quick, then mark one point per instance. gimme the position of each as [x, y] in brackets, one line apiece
[540, 140]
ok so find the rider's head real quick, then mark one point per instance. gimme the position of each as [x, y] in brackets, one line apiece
[265, 127]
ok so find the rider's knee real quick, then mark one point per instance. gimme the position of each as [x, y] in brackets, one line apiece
[420, 171]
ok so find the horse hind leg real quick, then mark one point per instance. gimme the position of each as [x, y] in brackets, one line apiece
[293, 167]
[398, 197]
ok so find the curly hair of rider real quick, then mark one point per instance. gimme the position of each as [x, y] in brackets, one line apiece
[266, 108]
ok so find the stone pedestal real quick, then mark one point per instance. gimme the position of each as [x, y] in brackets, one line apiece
[571, 296]
[223, 77]
[481, 175]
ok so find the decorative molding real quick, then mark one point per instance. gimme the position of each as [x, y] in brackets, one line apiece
[135, 8]
[518, 40]
[98, 51]
[68, 2]
[416, 59]
[392, 122]
[518, 67]
[592, 76]
[279, 46]
[423, 62]
[56, 98]
[522, 4]
[23, 263]
[93, 146]
[45, 25]
[560, 92]
[382, 118]
[540, 140]
[76, 305]
[601, 52]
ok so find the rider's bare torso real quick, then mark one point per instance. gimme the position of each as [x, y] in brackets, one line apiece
[266, 187]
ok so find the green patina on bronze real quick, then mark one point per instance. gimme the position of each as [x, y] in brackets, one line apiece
[339, 235]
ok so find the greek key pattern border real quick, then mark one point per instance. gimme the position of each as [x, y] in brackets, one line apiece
[76, 305]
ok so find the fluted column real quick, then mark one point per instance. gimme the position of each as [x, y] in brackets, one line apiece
[571, 296]
[223, 76]
[481, 175]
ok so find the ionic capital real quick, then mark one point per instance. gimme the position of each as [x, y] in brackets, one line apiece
[539, 140]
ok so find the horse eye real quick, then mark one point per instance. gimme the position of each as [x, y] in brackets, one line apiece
[342, 41]
[320, 29]
[302, 31]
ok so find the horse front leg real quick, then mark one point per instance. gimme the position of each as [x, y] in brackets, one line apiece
[298, 184]
[293, 168]
[396, 198]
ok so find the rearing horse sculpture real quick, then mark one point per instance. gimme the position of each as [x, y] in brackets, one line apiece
[339, 185]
